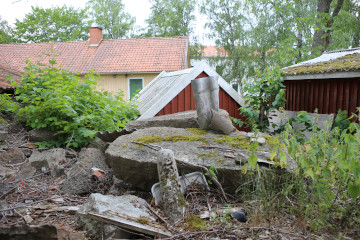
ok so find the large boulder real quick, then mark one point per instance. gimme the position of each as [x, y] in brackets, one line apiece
[136, 164]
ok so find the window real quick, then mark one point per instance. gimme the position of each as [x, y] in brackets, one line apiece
[135, 85]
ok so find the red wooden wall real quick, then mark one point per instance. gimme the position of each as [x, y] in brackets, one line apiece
[184, 101]
[327, 95]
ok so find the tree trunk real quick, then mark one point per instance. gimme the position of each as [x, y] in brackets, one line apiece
[321, 43]
[318, 44]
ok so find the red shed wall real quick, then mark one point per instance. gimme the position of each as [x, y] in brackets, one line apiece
[184, 101]
[327, 95]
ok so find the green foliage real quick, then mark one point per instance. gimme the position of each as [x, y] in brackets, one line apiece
[5, 32]
[171, 18]
[302, 120]
[7, 104]
[57, 24]
[60, 101]
[329, 164]
[110, 15]
[262, 97]
[341, 120]
[324, 190]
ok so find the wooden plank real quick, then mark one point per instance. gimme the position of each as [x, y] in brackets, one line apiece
[346, 96]
[160, 113]
[339, 103]
[193, 106]
[311, 96]
[333, 96]
[187, 96]
[226, 99]
[174, 105]
[321, 96]
[354, 96]
[167, 109]
[232, 108]
[181, 103]
[129, 224]
[302, 95]
[306, 96]
[327, 96]
[316, 94]
[297, 102]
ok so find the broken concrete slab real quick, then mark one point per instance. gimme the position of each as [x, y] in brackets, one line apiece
[186, 119]
[136, 164]
[48, 158]
[78, 179]
[127, 211]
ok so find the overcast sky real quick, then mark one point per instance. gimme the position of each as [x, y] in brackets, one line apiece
[10, 10]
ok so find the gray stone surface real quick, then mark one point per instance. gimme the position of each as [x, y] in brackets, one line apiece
[320, 119]
[48, 158]
[129, 206]
[174, 206]
[3, 135]
[137, 165]
[26, 171]
[41, 135]
[78, 177]
[99, 144]
[177, 120]
[12, 156]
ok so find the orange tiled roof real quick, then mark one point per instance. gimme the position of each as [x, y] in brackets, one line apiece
[6, 71]
[111, 56]
[213, 51]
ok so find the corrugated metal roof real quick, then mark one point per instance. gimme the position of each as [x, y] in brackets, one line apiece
[167, 85]
[344, 60]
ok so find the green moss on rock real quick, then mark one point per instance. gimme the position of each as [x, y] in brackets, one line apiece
[210, 154]
[236, 142]
[194, 223]
[172, 138]
[2, 121]
[271, 141]
[197, 131]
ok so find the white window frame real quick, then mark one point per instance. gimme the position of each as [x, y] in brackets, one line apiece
[129, 78]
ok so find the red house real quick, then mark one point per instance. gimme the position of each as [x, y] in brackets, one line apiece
[327, 83]
[171, 92]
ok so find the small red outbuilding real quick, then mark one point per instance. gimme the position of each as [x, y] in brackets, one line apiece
[171, 92]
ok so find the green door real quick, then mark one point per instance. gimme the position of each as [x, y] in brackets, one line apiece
[135, 86]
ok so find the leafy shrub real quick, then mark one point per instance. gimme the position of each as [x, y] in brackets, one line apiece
[7, 104]
[329, 168]
[60, 101]
[262, 97]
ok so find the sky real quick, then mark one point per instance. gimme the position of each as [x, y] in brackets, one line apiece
[10, 10]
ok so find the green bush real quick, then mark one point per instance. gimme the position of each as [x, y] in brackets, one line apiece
[262, 97]
[329, 168]
[58, 100]
[7, 105]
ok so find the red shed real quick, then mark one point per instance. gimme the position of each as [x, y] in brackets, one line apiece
[171, 92]
[328, 83]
